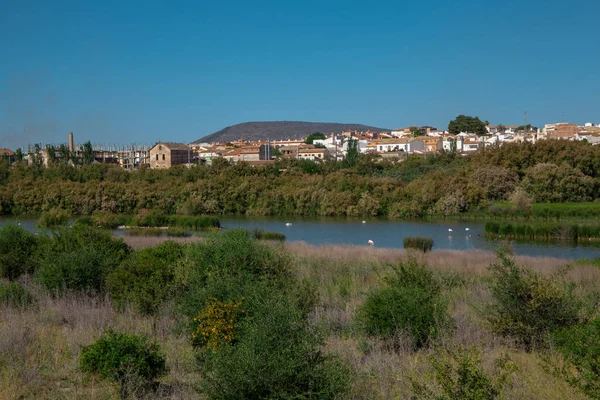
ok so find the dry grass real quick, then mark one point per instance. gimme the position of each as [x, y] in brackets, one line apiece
[40, 346]
[344, 275]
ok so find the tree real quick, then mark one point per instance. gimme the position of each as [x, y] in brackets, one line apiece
[500, 128]
[65, 153]
[314, 136]
[88, 153]
[465, 123]
[415, 131]
[19, 154]
[51, 153]
[352, 154]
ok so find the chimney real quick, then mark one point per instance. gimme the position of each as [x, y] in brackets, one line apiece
[71, 146]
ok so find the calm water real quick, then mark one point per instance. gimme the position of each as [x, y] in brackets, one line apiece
[390, 233]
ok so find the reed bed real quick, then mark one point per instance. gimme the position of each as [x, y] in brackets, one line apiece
[543, 230]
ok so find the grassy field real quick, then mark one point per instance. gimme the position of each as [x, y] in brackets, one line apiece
[40, 345]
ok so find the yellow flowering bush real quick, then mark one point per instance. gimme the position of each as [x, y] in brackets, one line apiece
[216, 323]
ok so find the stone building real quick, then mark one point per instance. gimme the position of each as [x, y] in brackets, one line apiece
[166, 155]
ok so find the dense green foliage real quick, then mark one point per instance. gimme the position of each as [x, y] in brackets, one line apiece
[314, 136]
[53, 218]
[268, 350]
[146, 278]
[361, 185]
[465, 123]
[127, 359]
[423, 244]
[17, 251]
[410, 304]
[267, 235]
[13, 294]
[527, 306]
[543, 230]
[79, 259]
[580, 346]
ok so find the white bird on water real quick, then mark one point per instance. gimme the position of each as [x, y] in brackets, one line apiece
[372, 243]
[288, 224]
[364, 222]
[467, 229]
[449, 230]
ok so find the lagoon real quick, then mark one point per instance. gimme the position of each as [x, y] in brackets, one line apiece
[464, 235]
[388, 233]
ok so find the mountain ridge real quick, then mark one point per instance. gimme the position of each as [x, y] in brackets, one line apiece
[280, 130]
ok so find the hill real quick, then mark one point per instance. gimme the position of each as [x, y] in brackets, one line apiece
[280, 130]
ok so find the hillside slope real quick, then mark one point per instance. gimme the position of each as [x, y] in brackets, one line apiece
[280, 130]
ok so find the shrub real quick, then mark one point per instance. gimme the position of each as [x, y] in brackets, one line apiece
[146, 278]
[276, 355]
[195, 223]
[459, 375]
[106, 219]
[266, 235]
[409, 304]
[580, 346]
[128, 359]
[79, 258]
[521, 200]
[14, 295]
[53, 218]
[526, 305]
[234, 253]
[420, 243]
[216, 323]
[17, 251]
[81, 270]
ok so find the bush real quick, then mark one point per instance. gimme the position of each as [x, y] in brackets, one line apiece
[409, 304]
[234, 253]
[266, 235]
[17, 251]
[53, 218]
[14, 295]
[83, 270]
[216, 323]
[248, 320]
[127, 359]
[146, 278]
[459, 375]
[526, 305]
[79, 258]
[106, 219]
[580, 346]
[226, 266]
[420, 243]
[275, 355]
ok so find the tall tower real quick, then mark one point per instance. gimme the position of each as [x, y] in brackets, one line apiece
[71, 145]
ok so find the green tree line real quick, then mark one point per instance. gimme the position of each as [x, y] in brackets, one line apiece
[365, 185]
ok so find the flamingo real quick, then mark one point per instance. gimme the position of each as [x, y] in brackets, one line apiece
[372, 243]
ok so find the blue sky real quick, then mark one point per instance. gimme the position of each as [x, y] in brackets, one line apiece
[124, 72]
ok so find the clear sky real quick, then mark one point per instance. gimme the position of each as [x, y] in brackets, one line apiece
[124, 72]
